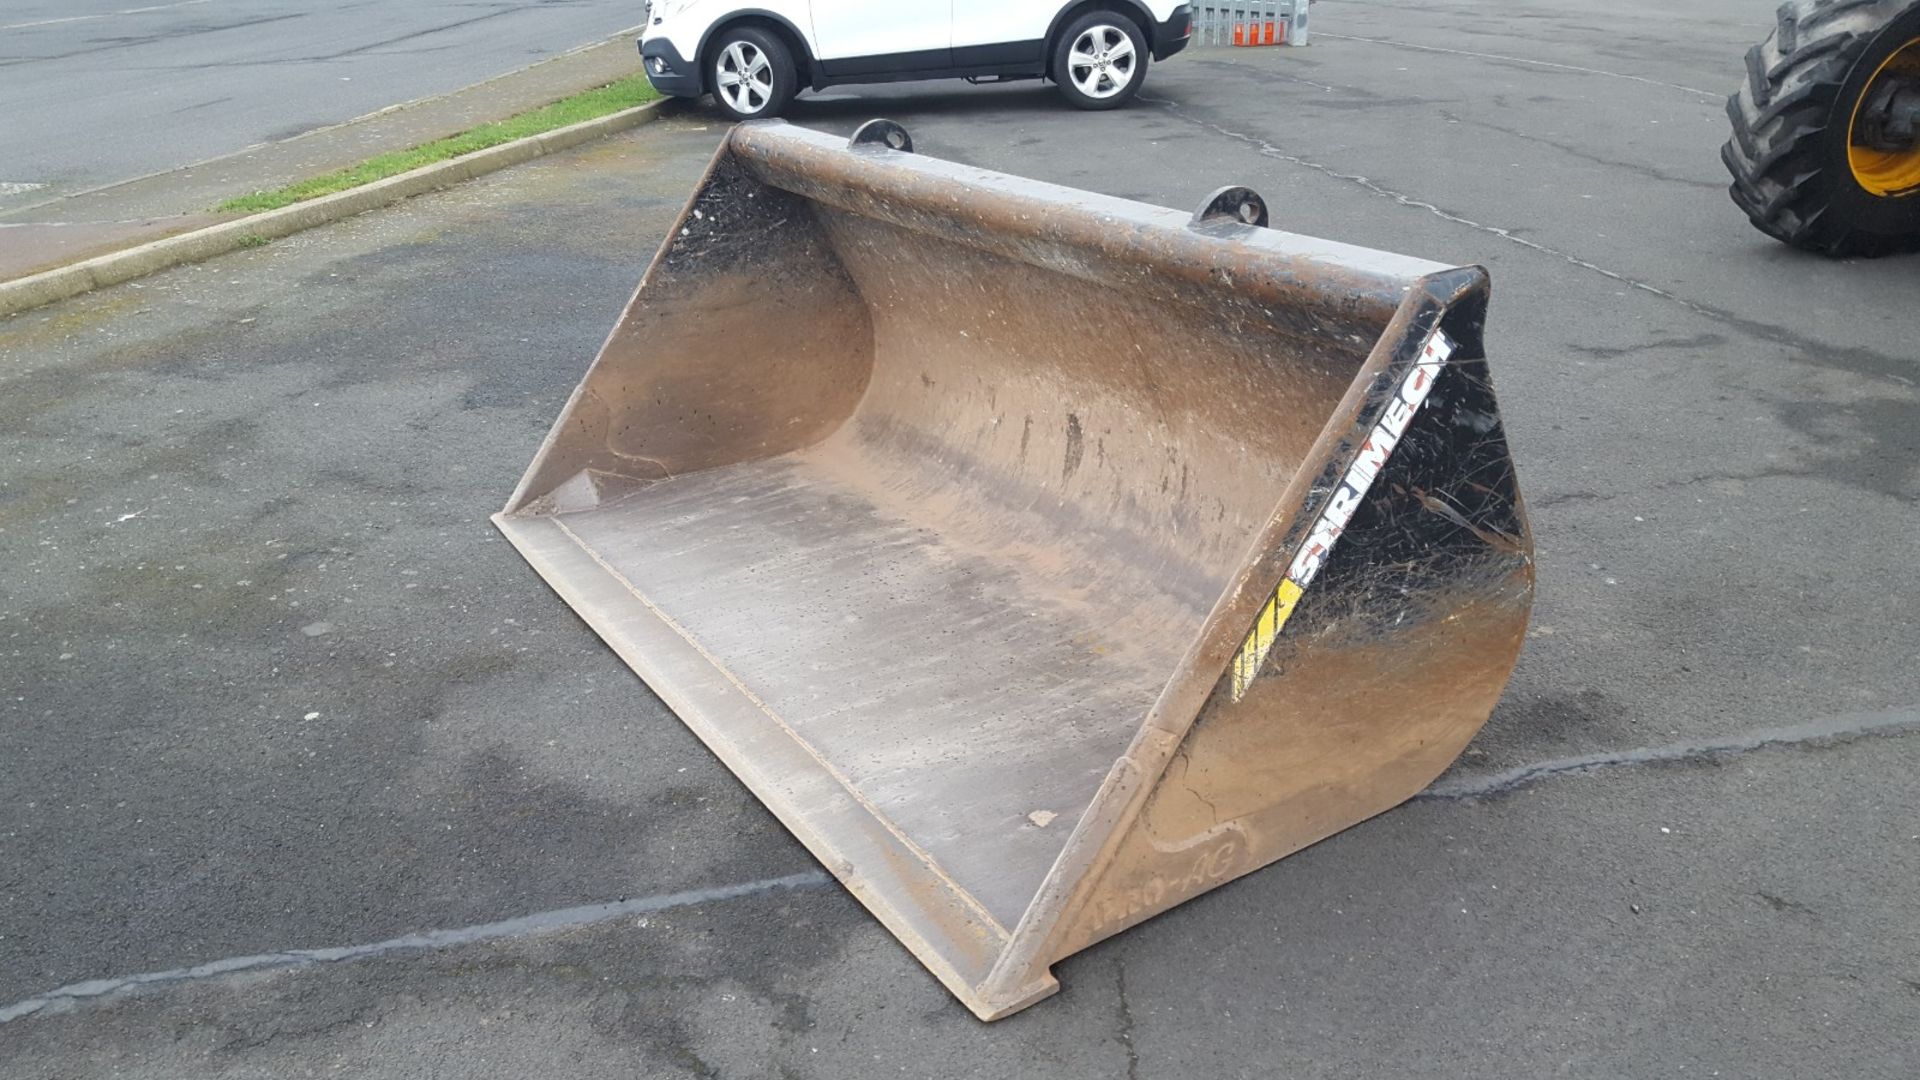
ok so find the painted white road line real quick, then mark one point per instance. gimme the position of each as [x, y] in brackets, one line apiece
[103, 15]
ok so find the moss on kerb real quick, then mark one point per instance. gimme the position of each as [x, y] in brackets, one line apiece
[590, 105]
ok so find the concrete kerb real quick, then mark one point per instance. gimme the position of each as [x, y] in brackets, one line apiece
[48, 286]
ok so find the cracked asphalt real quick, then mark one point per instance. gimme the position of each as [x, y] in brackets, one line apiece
[270, 681]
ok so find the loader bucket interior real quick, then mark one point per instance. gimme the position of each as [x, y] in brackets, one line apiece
[965, 517]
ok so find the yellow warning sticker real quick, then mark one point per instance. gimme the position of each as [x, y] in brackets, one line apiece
[1260, 640]
[1340, 506]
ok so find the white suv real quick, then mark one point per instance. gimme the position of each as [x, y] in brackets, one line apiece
[753, 59]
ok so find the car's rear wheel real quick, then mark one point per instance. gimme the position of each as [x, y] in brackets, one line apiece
[752, 73]
[1100, 60]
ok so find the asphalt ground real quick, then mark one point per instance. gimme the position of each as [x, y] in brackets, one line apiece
[100, 91]
[40, 231]
[272, 682]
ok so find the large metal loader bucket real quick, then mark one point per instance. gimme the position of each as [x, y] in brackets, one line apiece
[1041, 559]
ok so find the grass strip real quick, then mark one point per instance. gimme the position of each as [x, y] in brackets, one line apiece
[611, 98]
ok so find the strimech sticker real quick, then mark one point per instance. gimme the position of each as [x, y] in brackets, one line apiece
[1346, 498]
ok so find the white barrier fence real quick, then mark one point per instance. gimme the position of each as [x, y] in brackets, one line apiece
[1216, 23]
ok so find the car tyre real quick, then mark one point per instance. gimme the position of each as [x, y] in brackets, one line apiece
[1100, 60]
[752, 73]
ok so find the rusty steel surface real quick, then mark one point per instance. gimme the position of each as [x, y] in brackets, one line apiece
[1041, 559]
